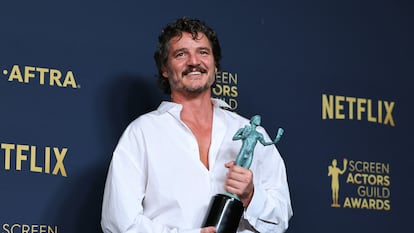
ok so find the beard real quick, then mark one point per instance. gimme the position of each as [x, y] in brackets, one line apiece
[191, 89]
[199, 89]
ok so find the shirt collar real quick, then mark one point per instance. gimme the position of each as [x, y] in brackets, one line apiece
[168, 106]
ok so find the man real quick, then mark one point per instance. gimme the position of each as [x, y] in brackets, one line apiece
[170, 162]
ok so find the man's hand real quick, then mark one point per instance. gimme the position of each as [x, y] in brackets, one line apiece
[208, 230]
[240, 182]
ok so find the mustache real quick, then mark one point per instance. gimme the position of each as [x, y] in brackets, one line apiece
[193, 69]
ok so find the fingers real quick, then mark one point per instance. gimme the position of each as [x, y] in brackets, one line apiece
[208, 230]
[239, 181]
[239, 174]
[229, 164]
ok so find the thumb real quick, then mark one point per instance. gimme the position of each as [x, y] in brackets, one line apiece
[229, 164]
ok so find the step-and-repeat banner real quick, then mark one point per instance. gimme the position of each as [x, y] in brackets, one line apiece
[336, 75]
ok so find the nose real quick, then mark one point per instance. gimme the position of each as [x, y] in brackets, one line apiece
[193, 60]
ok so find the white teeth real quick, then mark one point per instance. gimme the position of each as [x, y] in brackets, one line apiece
[193, 73]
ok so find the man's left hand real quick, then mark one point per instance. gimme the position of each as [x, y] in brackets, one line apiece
[240, 182]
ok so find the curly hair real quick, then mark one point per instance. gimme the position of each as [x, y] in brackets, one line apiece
[189, 25]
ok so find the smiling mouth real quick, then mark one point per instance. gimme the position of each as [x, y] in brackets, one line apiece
[194, 71]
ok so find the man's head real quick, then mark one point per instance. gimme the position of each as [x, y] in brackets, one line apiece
[174, 31]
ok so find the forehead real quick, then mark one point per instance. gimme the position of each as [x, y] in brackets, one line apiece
[187, 40]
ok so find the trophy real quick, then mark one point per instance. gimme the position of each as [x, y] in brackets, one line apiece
[225, 210]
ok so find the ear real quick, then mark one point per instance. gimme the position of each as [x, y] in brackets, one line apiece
[164, 72]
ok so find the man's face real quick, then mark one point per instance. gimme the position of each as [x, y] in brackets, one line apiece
[190, 65]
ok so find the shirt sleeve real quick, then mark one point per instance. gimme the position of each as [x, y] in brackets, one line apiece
[122, 209]
[270, 208]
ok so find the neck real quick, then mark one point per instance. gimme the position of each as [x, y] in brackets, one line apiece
[197, 108]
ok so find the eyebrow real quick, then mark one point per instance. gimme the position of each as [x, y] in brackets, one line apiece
[204, 48]
[178, 50]
[186, 49]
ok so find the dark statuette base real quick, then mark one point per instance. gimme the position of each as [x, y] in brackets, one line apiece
[224, 213]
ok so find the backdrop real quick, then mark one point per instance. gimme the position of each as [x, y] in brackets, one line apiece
[336, 75]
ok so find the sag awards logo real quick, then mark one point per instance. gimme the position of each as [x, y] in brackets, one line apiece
[366, 185]
[42, 76]
[226, 88]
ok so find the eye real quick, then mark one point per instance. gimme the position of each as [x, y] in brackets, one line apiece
[204, 52]
[180, 54]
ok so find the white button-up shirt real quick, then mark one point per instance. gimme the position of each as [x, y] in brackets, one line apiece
[156, 182]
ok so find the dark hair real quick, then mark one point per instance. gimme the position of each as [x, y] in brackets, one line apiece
[192, 26]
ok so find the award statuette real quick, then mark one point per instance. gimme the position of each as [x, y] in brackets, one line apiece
[225, 210]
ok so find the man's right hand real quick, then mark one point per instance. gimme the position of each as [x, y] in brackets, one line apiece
[208, 230]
